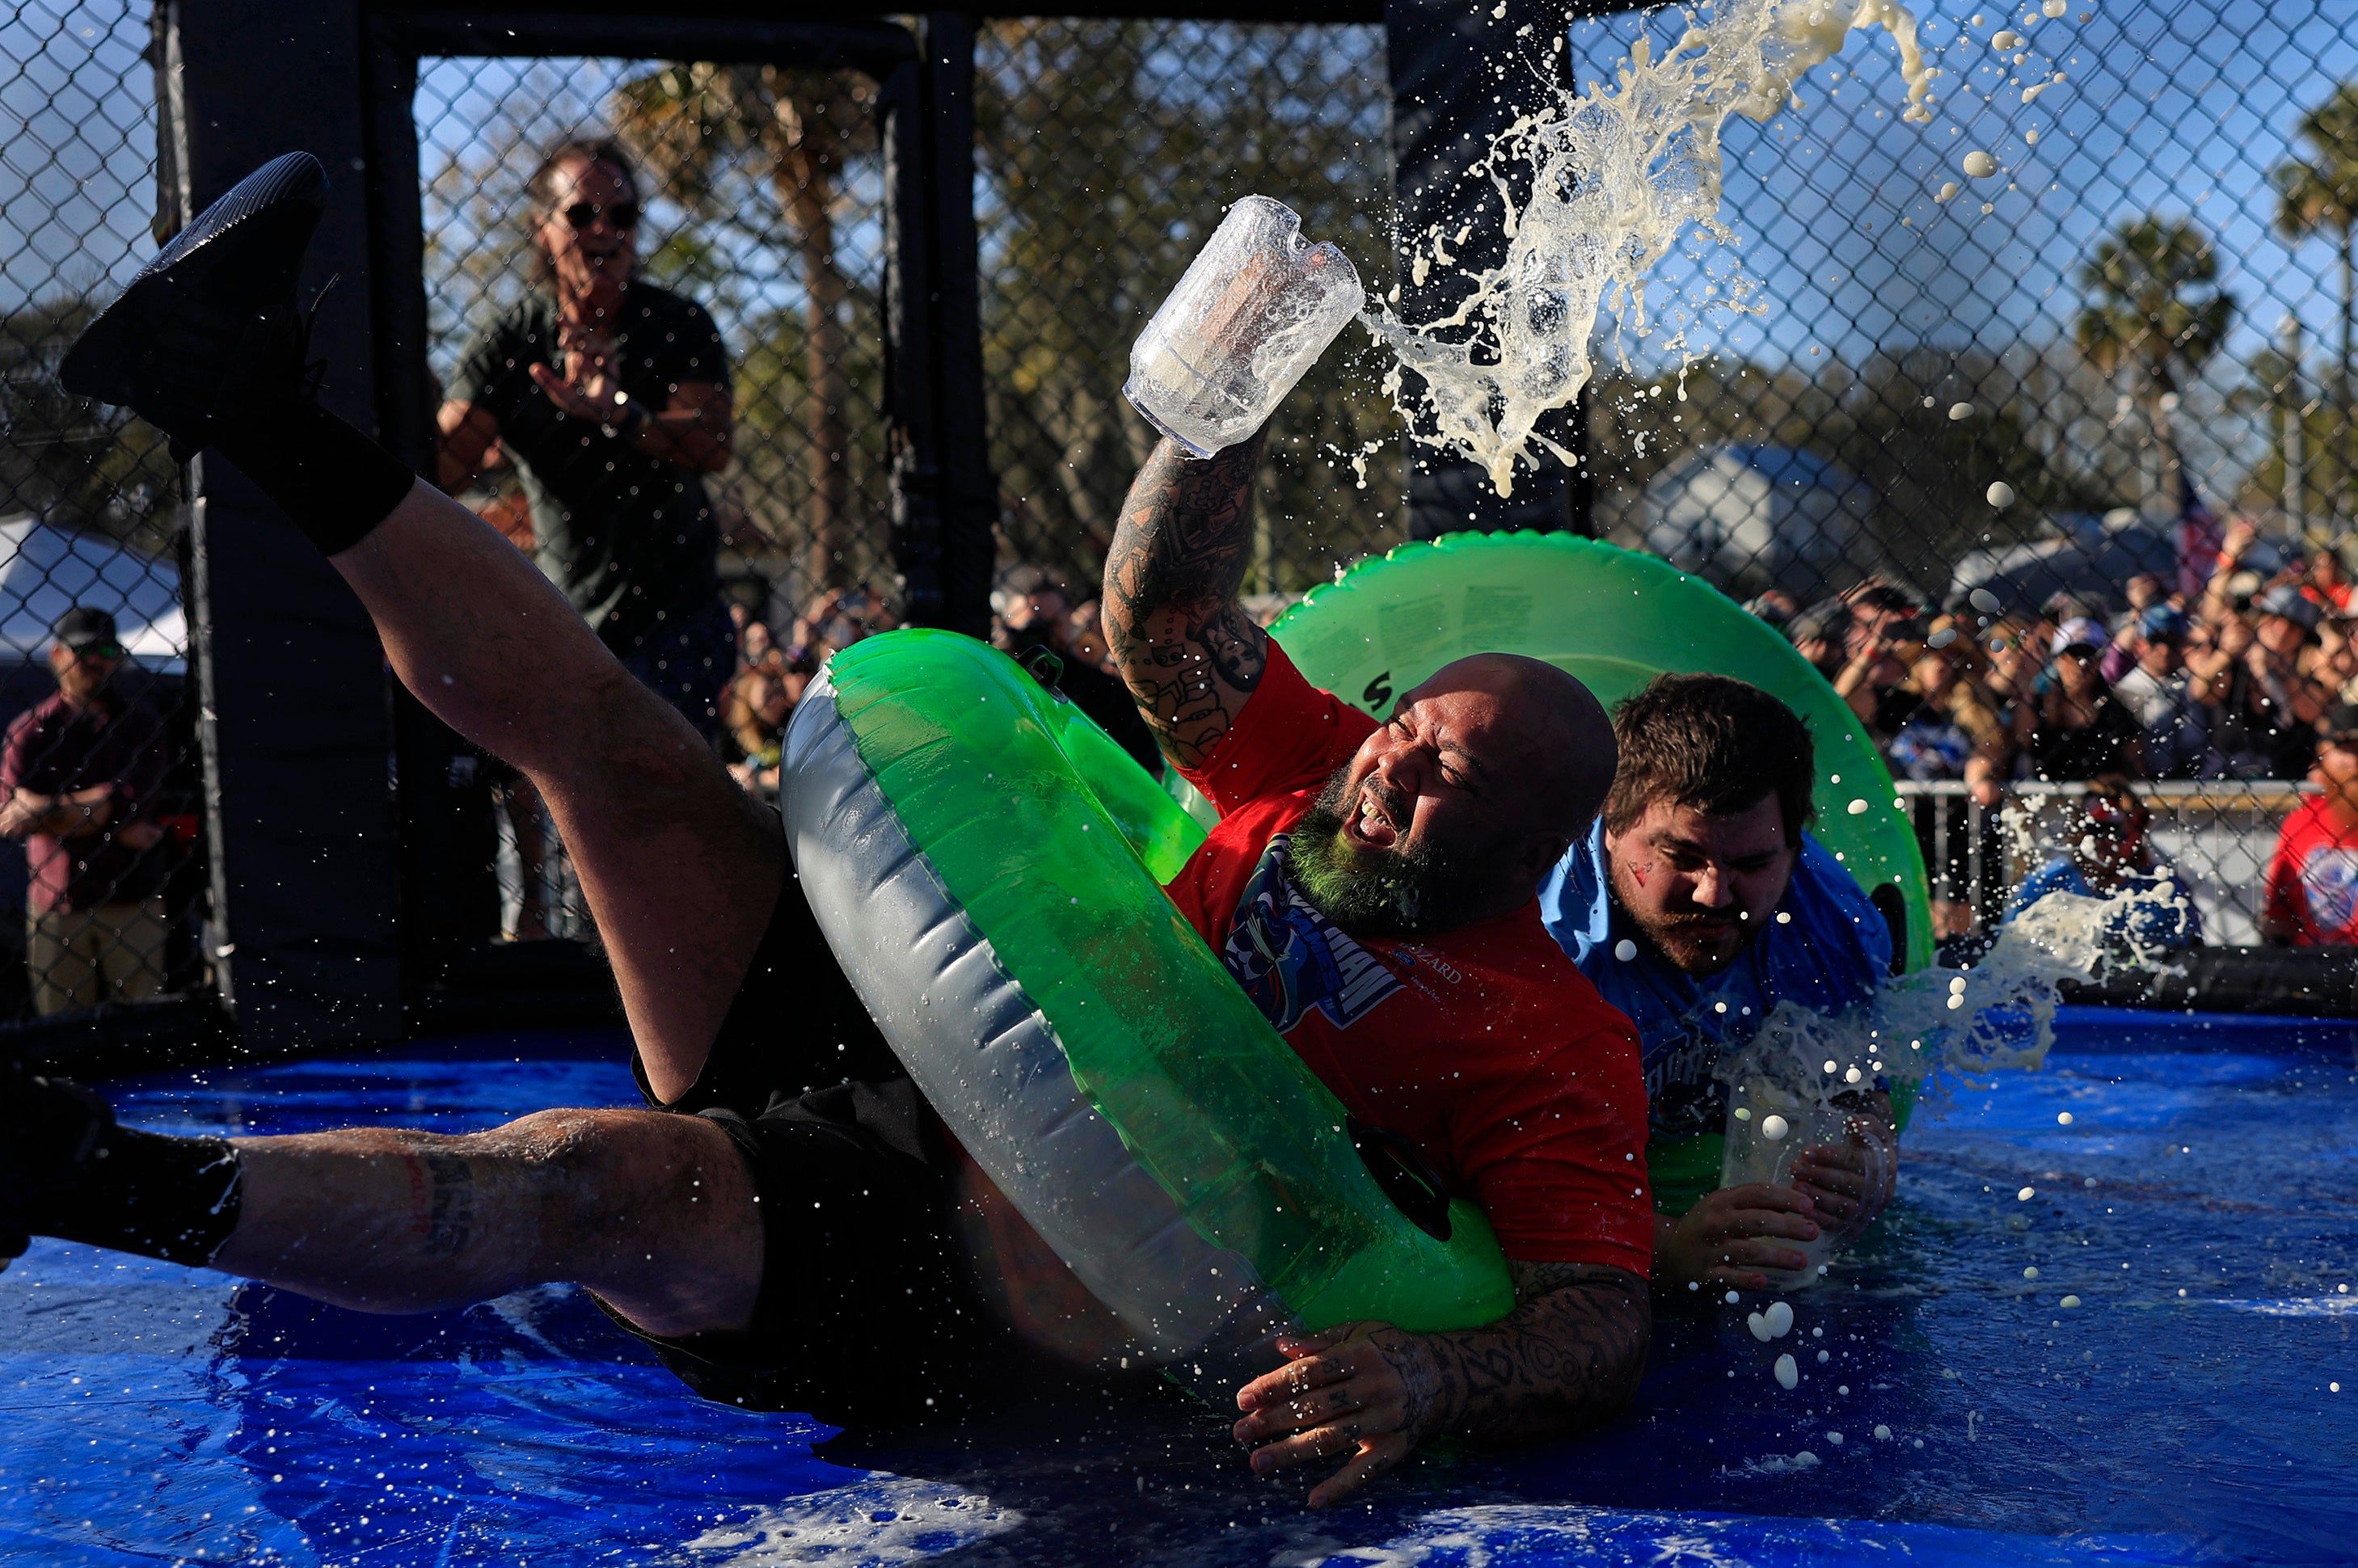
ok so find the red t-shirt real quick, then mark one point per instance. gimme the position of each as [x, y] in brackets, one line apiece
[1482, 1046]
[2313, 879]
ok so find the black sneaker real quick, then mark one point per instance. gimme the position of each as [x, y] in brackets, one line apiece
[211, 323]
[51, 1134]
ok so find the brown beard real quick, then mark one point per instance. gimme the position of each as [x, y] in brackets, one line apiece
[1416, 890]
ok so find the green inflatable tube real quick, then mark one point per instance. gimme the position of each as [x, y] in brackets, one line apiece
[1615, 619]
[988, 866]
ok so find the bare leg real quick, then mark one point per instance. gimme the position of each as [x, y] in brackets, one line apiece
[679, 868]
[653, 1211]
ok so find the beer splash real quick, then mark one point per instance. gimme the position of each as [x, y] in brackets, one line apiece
[1615, 176]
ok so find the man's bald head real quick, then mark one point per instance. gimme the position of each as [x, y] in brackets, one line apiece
[1564, 737]
[1453, 811]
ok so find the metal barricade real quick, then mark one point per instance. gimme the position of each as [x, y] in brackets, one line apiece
[2217, 834]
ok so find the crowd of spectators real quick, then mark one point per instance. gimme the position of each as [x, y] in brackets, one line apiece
[2226, 683]
[2239, 678]
[1029, 611]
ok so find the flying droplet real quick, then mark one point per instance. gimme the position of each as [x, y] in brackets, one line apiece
[1789, 1376]
[1984, 600]
[1741, 1114]
[2004, 39]
[1957, 985]
[1961, 410]
[1882, 1434]
[1779, 1319]
[2025, 1194]
[1784, 917]
[2063, 1117]
[2031, 1272]
[1858, 808]
[2000, 493]
[1948, 191]
[1625, 950]
[1853, 1076]
[2069, 1302]
[1942, 638]
[1834, 1438]
[1979, 165]
[1759, 1325]
[2052, 7]
[1773, 1128]
[1829, 1066]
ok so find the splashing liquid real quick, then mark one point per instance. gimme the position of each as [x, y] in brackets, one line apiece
[1614, 176]
[1997, 1014]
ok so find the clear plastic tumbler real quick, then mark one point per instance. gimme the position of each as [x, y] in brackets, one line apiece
[1752, 1155]
[1257, 307]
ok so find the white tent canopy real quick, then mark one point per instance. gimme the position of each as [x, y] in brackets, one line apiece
[46, 571]
[1754, 515]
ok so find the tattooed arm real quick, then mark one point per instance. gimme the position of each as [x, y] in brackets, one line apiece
[1569, 1356]
[1186, 647]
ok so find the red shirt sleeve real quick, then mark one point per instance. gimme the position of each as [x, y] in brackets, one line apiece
[1290, 735]
[1557, 1160]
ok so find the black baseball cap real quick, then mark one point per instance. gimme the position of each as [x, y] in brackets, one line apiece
[2338, 725]
[83, 628]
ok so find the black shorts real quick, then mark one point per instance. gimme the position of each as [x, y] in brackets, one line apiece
[867, 1313]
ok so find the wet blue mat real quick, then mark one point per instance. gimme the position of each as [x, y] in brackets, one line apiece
[2202, 1205]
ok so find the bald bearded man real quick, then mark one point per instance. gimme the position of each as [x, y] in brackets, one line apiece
[1371, 886]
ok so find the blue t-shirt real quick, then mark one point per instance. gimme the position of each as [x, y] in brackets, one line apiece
[2149, 923]
[1828, 956]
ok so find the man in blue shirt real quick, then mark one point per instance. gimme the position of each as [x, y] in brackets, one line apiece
[1696, 904]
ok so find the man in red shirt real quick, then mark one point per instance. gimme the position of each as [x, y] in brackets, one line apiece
[2313, 882]
[1372, 886]
[785, 1224]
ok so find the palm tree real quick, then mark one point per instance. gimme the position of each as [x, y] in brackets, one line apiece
[683, 122]
[2321, 197]
[2154, 309]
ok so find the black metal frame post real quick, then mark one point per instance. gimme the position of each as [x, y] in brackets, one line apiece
[289, 667]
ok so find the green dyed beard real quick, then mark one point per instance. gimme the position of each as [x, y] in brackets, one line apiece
[1421, 890]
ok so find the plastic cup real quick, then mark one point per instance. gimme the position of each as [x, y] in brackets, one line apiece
[1751, 1155]
[1256, 308]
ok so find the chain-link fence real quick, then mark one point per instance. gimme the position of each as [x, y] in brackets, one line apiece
[101, 885]
[2041, 444]
[2049, 469]
[1108, 150]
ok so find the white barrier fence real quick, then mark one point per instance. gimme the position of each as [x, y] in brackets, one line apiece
[2217, 833]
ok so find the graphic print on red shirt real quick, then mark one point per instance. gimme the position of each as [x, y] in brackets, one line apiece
[1482, 1045]
[2312, 887]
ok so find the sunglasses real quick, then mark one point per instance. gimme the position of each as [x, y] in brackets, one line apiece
[97, 651]
[583, 215]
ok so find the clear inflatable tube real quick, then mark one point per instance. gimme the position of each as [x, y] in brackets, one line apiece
[987, 865]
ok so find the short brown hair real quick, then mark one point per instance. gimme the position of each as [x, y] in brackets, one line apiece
[1714, 743]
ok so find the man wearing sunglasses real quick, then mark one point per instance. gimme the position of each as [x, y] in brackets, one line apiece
[610, 399]
[77, 775]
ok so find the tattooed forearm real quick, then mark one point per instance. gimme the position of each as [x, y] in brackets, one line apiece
[1188, 650]
[442, 1200]
[1567, 1356]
